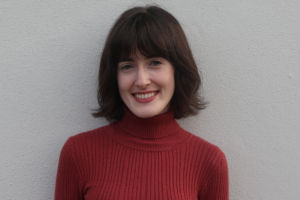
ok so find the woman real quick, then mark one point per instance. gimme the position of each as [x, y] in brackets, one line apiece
[147, 79]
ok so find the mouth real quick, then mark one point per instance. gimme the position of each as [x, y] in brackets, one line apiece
[144, 97]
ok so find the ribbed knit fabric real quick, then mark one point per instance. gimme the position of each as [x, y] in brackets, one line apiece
[141, 159]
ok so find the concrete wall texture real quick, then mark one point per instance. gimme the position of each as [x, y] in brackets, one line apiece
[249, 55]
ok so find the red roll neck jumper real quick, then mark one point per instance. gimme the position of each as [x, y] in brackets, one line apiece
[141, 159]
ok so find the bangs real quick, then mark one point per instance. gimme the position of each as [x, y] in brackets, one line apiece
[140, 34]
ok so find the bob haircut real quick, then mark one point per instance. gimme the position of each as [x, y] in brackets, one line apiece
[155, 33]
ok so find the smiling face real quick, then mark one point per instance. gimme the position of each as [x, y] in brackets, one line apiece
[146, 85]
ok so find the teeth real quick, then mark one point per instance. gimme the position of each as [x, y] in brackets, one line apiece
[145, 96]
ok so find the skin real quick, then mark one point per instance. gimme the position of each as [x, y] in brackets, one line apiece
[139, 75]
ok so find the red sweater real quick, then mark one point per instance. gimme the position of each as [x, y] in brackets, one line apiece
[141, 159]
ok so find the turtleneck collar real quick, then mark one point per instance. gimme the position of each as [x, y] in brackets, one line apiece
[157, 133]
[155, 127]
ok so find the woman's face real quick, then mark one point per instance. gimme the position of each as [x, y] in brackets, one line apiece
[146, 85]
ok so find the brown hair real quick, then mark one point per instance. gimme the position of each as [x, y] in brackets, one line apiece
[155, 33]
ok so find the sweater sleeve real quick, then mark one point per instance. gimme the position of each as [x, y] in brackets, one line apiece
[68, 185]
[217, 186]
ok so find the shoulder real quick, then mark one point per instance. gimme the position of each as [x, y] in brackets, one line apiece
[209, 160]
[79, 149]
[207, 153]
[84, 142]
[204, 145]
[89, 137]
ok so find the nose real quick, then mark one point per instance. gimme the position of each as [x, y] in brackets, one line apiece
[142, 78]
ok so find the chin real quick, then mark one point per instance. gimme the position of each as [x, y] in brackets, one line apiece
[145, 114]
[148, 111]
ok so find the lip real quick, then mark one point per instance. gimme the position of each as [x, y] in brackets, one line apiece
[145, 100]
[145, 92]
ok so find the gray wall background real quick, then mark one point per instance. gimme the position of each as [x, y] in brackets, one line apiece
[249, 55]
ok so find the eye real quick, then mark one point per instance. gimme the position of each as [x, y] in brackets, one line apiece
[126, 67]
[155, 62]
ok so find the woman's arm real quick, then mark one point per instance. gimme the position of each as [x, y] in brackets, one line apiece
[68, 185]
[217, 187]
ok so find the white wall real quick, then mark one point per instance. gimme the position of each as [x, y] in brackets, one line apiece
[249, 54]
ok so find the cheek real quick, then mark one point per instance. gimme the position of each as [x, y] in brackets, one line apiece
[172, 80]
[166, 85]
[168, 81]
[120, 83]
[171, 85]
[124, 84]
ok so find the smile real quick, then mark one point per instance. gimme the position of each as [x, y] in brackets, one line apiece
[145, 97]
